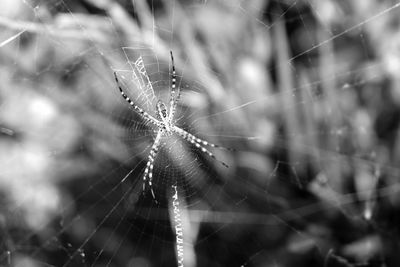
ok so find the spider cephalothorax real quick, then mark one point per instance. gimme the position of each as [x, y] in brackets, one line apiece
[164, 122]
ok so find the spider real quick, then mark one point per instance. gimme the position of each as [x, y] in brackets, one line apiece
[165, 123]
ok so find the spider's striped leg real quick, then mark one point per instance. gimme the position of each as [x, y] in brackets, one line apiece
[182, 132]
[139, 110]
[148, 172]
[197, 142]
[175, 92]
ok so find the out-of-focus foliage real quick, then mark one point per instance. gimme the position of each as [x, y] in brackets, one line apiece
[311, 102]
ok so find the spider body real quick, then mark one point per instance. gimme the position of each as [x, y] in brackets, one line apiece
[164, 121]
[163, 117]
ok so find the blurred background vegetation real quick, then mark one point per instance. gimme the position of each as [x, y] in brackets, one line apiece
[306, 92]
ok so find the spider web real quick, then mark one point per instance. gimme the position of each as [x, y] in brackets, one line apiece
[305, 92]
